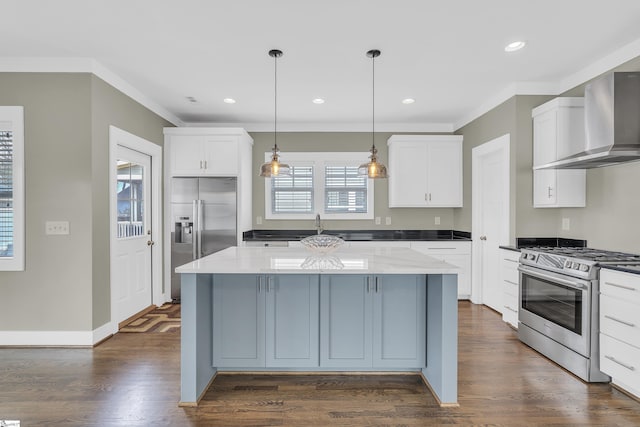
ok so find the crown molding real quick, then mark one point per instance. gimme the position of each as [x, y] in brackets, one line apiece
[85, 65]
[335, 127]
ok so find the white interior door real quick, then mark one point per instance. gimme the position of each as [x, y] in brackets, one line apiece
[491, 226]
[133, 234]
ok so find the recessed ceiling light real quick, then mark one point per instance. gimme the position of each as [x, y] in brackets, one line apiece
[513, 46]
[229, 101]
[408, 101]
[318, 101]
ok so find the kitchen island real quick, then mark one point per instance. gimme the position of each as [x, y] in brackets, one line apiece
[287, 309]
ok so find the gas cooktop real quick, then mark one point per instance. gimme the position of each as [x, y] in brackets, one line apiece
[574, 261]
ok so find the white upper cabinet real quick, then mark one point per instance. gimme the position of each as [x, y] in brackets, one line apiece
[558, 132]
[425, 171]
[206, 151]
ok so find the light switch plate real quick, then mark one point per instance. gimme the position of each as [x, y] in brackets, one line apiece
[57, 227]
[437, 220]
[259, 220]
[387, 220]
[377, 220]
[566, 223]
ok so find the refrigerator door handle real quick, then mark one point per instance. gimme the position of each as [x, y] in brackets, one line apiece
[194, 230]
[200, 226]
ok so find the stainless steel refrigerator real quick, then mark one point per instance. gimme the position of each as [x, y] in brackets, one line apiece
[203, 212]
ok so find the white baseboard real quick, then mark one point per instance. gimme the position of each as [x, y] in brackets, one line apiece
[55, 338]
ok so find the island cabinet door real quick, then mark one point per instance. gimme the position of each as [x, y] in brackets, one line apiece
[399, 321]
[238, 321]
[345, 321]
[292, 323]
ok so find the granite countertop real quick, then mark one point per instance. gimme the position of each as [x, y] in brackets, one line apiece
[359, 235]
[532, 242]
[244, 260]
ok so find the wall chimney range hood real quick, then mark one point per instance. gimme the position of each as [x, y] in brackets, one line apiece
[612, 124]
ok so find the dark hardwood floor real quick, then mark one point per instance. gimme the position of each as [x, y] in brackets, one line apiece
[133, 380]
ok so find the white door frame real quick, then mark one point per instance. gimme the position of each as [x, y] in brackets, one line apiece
[123, 138]
[500, 144]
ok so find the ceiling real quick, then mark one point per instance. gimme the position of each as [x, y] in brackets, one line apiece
[447, 55]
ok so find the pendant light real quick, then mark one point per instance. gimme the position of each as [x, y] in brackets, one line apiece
[274, 167]
[373, 169]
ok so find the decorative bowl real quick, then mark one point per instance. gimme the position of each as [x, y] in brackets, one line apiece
[322, 243]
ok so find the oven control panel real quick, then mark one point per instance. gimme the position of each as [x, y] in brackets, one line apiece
[559, 263]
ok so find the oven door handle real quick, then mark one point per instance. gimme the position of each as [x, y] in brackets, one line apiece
[557, 278]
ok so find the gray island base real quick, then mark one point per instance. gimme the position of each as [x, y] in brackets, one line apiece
[285, 309]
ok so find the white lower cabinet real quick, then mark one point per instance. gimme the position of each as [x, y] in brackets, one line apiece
[620, 328]
[265, 321]
[372, 321]
[510, 278]
[455, 253]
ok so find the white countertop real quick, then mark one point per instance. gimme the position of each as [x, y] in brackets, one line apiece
[274, 260]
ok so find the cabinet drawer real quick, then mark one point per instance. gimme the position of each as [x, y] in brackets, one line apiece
[625, 286]
[510, 302]
[511, 289]
[620, 361]
[510, 272]
[620, 319]
[446, 247]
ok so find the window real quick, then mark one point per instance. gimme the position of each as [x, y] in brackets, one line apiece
[11, 189]
[324, 183]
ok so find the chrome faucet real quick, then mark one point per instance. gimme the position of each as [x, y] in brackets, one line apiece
[318, 225]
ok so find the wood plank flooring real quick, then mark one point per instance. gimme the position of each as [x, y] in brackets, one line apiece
[134, 380]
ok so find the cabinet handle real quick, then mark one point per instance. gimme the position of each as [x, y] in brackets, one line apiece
[512, 260]
[619, 321]
[441, 248]
[426, 197]
[429, 196]
[376, 279]
[269, 279]
[624, 365]
[549, 191]
[200, 164]
[205, 164]
[483, 237]
[510, 309]
[368, 284]
[259, 284]
[615, 285]
[509, 281]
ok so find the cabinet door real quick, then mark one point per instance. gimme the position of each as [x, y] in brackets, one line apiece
[408, 176]
[444, 174]
[545, 190]
[187, 155]
[399, 321]
[220, 156]
[238, 321]
[292, 324]
[345, 321]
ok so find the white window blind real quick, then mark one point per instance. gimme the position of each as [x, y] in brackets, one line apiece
[293, 194]
[325, 183]
[345, 190]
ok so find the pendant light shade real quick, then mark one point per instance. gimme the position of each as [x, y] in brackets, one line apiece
[274, 167]
[373, 169]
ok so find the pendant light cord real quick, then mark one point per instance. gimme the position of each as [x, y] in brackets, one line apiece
[275, 104]
[373, 105]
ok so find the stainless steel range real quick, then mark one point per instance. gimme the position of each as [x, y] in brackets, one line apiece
[558, 313]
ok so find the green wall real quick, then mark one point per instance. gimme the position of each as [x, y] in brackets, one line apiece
[401, 218]
[65, 286]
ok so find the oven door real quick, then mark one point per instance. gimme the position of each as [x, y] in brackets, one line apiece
[557, 306]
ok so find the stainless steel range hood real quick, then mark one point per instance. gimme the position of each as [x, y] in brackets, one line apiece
[612, 123]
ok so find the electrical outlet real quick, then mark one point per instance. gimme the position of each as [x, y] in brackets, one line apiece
[57, 227]
[566, 224]
[259, 220]
[387, 220]
[437, 220]
[377, 220]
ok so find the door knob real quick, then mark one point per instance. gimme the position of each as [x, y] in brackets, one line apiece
[150, 243]
[483, 237]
